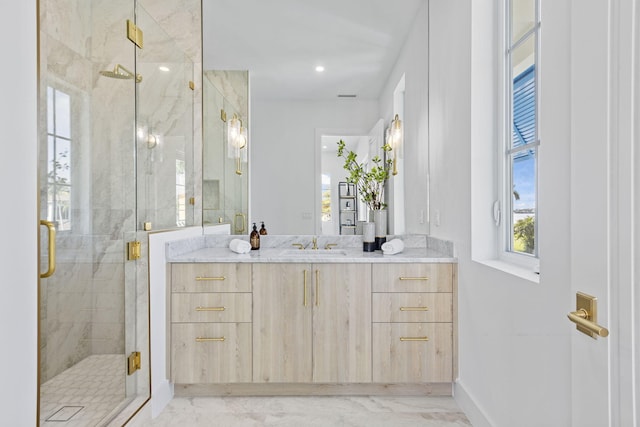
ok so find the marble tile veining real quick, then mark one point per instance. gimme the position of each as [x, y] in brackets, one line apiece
[312, 411]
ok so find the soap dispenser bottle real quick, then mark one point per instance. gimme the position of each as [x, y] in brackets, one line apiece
[263, 230]
[254, 238]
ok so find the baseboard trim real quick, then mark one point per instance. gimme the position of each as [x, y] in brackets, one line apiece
[199, 390]
[470, 407]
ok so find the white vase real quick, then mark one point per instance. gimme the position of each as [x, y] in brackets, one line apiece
[380, 219]
[368, 236]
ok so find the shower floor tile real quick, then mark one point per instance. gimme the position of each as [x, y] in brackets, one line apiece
[84, 394]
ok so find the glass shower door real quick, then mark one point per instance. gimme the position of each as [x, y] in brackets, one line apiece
[90, 315]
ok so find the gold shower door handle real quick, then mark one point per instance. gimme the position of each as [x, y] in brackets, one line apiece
[52, 249]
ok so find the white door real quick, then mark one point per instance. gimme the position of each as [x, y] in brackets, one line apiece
[604, 208]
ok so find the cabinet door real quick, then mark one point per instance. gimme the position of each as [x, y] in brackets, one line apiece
[341, 323]
[210, 352]
[282, 323]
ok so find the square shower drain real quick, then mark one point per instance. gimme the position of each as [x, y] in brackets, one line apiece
[65, 413]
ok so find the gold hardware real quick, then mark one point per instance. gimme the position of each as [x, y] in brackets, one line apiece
[317, 288]
[298, 245]
[243, 221]
[414, 309]
[238, 166]
[133, 362]
[220, 220]
[586, 316]
[414, 338]
[201, 339]
[133, 250]
[304, 298]
[223, 116]
[192, 85]
[52, 249]
[147, 226]
[315, 243]
[328, 246]
[414, 278]
[205, 279]
[134, 34]
[192, 201]
[211, 308]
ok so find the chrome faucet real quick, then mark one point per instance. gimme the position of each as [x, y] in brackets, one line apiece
[315, 243]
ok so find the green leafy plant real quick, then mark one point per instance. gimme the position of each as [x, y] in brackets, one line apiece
[524, 234]
[369, 180]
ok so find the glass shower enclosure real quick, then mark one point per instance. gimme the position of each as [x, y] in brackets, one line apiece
[115, 159]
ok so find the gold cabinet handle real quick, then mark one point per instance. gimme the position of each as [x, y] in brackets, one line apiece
[317, 288]
[202, 339]
[52, 249]
[414, 278]
[582, 318]
[414, 338]
[304, 298]
[210, 308]
[209, 279]
[414, 308]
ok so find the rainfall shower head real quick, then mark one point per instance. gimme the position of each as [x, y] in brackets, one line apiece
[119, 72]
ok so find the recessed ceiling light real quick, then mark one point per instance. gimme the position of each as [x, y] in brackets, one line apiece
[319, 68]
[164, 68]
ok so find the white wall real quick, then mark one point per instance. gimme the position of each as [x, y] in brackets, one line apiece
[283, 151]
[514, 353]
[413, 62]
[18, 216]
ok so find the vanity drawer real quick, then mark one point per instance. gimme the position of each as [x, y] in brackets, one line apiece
[211, 307]
[412, 307]
[435, 277]
[204, 277]
[412, 352]
[210, 353]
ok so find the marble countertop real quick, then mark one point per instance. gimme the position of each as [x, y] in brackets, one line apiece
[281, 255]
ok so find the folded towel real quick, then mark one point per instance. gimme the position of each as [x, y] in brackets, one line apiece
[240, 246]
[394, 246]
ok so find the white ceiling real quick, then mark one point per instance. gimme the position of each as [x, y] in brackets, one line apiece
[281, 42]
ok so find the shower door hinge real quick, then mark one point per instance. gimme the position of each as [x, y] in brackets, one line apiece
[133, 250]
[133, 362]
[134, 33]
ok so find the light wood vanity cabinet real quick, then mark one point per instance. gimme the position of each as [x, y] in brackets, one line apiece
[312, 323]
[211, 311]
[296, 323]
[413, 323]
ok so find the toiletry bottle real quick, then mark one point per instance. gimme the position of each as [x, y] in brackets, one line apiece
[263, 231]
[254, 238]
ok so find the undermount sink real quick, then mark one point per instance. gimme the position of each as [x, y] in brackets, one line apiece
[313, 252]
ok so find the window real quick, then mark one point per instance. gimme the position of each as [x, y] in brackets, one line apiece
[520, 158]
[59, 158]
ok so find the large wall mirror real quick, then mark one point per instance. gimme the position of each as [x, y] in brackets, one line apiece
[318, 71]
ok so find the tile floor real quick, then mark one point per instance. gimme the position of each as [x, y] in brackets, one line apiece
[312, 411]
[85, 394]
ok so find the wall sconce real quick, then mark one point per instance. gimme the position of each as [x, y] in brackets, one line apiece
[145, 136]
[237, 142]
[394, 139]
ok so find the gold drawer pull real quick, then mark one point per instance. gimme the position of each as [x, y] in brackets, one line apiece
[210, 308]
[414, 278]
[200, 339]
[414, 308]
[205, 279]
[414, 338]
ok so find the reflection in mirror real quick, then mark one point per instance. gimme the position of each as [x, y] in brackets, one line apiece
[363, 55]
[224, 182]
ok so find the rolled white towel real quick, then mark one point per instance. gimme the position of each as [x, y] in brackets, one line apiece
[240, 246]
[394, 246]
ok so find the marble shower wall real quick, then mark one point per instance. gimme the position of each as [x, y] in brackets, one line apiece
[83, 304]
